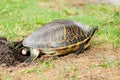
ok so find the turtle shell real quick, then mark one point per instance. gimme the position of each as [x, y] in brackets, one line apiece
[63, 36]
[58, 34]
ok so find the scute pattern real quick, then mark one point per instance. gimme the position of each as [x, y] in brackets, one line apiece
[60, 33]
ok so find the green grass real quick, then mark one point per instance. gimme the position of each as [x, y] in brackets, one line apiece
[106, 62]
[8, 77]
[18, 19]
[44, 67]
[36, 70]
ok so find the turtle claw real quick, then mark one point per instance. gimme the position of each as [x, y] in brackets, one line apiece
[30, 59]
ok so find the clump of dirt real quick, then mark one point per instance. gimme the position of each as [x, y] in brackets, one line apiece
[10, 53]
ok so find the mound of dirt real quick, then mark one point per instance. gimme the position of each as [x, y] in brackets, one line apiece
[10, 54]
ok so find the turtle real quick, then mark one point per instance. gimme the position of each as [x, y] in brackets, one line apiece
[59, 37]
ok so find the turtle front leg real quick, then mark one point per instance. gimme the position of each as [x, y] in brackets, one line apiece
[34, 53]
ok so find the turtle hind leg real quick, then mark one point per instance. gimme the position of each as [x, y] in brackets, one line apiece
[34, 53]
[80, 50]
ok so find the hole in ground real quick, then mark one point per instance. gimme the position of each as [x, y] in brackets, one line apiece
[10, 55]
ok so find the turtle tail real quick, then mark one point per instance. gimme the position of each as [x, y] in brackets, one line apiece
[93, 31]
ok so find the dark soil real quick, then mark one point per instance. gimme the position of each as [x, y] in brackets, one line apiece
[10, 53]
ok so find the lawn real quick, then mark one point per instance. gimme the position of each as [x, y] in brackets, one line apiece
[19, 18]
